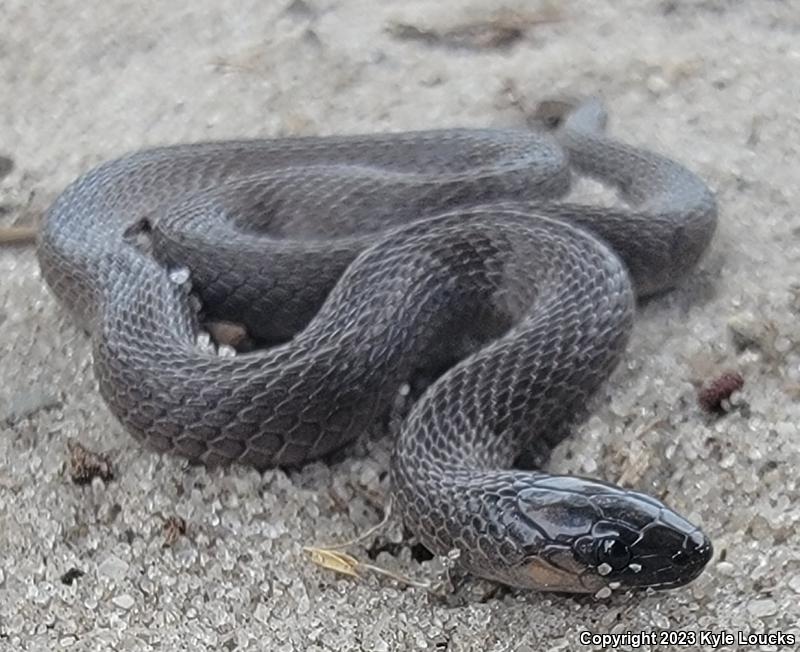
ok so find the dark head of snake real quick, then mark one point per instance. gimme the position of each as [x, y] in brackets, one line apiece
[586, 536]
[372, 258]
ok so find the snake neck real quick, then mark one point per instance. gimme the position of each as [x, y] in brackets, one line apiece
[457, 443]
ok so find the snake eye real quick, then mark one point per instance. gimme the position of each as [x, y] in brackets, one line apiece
[613, 552]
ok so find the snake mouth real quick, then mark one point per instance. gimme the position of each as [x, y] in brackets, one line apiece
[544, 575]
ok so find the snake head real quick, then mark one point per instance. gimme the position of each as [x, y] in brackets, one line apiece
[595, 537]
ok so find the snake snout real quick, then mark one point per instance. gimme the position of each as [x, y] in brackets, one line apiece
[641, 543]
[671, 558]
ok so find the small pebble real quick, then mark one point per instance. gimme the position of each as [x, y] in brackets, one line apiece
[262, 613]
[113, 568]
[656, 84]
[726, 568]
[761, 608]
[380, 645]
[123, 601]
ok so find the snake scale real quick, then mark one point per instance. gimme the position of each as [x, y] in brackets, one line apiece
[366, 262]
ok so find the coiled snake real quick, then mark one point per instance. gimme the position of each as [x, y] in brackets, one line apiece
[369, 261]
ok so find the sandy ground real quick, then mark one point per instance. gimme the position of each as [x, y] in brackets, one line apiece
[712, 83]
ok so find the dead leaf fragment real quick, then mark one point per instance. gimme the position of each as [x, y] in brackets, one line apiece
[338, 562]
[500, 29]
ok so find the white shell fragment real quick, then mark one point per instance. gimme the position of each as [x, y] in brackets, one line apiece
[603, 593]
[603, 569]
[226, 351]
[179, 275]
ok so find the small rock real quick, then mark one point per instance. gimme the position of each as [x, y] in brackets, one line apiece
[261, 614]
[656, 84]
[726, 568]
[379, 645]
[124, 601]
[113, 568]
[761, 608]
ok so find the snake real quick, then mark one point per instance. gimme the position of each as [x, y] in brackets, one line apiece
[450, 261]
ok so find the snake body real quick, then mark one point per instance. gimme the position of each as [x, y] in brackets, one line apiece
[368, 261]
